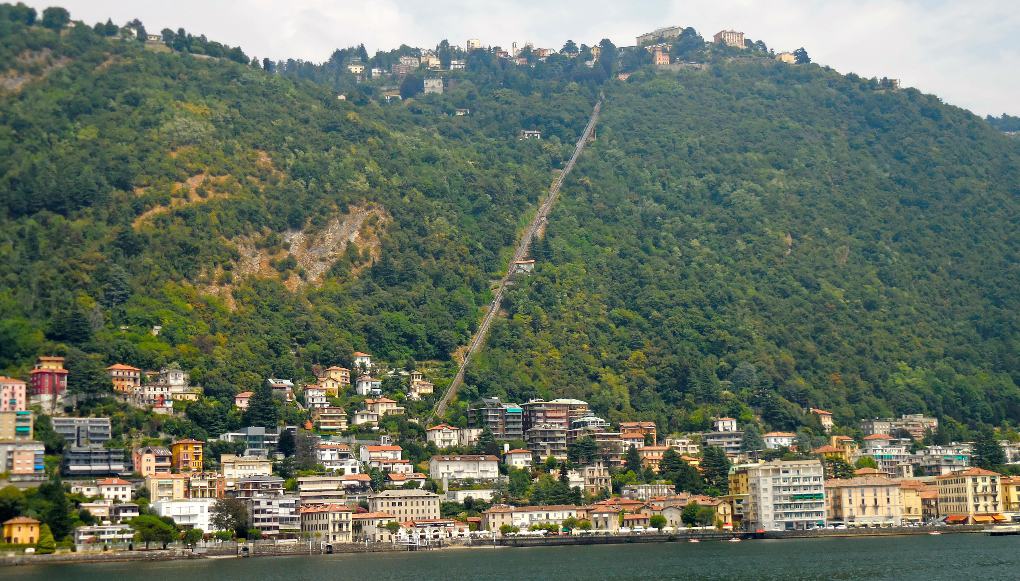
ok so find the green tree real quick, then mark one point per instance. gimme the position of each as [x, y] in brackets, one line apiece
[583, 450]
[801, 56]
[632, 461]
[866, 462]
[838, 468]
[752, 440]
[487, 443]
[505, 530]
[689, 515]
[57, 511]
[152, 529]
[715, 468]
[392, 526]
[262, 410]
[570, 523]
[230, 514]
[657, 521]
[12, 503]
[55, 18]
[46, 544]
[988, 453]
[192, 536]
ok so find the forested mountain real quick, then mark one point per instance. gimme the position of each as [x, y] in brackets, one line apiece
[776, 238]
[753, 238]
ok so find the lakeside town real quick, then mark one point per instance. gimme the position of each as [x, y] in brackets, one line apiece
[342, 477]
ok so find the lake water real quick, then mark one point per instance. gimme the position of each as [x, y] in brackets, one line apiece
[964, 556]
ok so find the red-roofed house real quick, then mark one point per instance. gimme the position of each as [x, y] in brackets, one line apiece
[126, 379]
[241, 400]
[328, 523]
[384, 406]
[115, 489]
[518, 458]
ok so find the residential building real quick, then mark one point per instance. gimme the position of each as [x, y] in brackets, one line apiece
[547, 440]
[235, 468]
[969, 496]
[1012, 451]
[281, 388]
[330, 419]
[99, 509]
[166, 486]
[23, 461]
[16, 425]
[644, 429]
[258, 441]
[186, 455]
[192, 513]
[95, 537]
[864, 501]
[473, 44]
[83, 431]
[315, 397]
[125, 379]
[156, 396]
[376, 453]
[1009, 487]
[531, 134]
[724, 425]
[365, 418]
[446, 436]
[356, 68]
[646, 492]
[939, 460]
[604, 519]
[206, 485]
[586, 427]
[124, 511]
[48, 382]
[776, 440]
[93, 460]
[150, 460]
[916, 425]
[659, 35]
[557, 412]
[173, 381]
[13, 395]
[406, 504]
[595, 479]
[336, 489]
[363, 361]
[728, 440]
[252, 486]
[891, 455]
[525, 516]
[824, 418]
[383, 406]
[504, 420]
[684, 445]
[115, 489]
[371, 527]
[464, 467]
[660, 56]
[729, 38]
[434, 86]
[334, 381]
[242, 399]
[786, 58]
[368, 386]
[518, 458]
[336, 457]
[328, 523]
[651, 456]
[911, 494]
[21, 530]
[419, 386]
[275, 515]
[785, 495]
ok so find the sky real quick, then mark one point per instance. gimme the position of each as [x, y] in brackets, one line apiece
[963, 51]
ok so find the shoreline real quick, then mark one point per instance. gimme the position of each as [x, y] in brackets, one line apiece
[299, 549]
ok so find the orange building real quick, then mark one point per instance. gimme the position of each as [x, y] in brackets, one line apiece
[125, 378]
[187, 455]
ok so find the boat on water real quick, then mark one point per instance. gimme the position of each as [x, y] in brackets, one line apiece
[733, 540]
[693, 541]
[1003, 531]
[934, 533]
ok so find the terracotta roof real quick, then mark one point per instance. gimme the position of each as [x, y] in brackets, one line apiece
[333, 446]
[371, 401]
[360, 354]
[439, 427]
[189, 441]
[780, 435]
[638, 424]
[21, 520]
[326, 508]
[842, 438]
[520, 451]
[467, 458]
[168, 475]
[973, 471]
[373, 515]
[337, 368]
[878, 437]
[726, 420]
[5, 379]
[826, 449]
[384, 448]
[112, 482]
[821, 412]
[244, 394]
[859, 481]
[121, 367]
[396, 476]
[357, 477]
[866, 471]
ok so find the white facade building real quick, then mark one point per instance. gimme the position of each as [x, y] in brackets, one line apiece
[785, 495]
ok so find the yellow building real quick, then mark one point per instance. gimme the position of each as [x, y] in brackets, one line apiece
[913, 507]
[187, 455]
[21, 530]
[166, 486]
[125, 379]
[1009, 487]
[870, 500]
[970, 496]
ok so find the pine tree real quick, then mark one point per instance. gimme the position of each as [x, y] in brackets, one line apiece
[262, 409]
[633, 460]
[487, 443]
[988, 454]
[46, 544]
[752, 441]
[801, 56]
[715, 467]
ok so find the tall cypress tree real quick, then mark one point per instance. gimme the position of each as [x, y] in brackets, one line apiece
[988, 454]
[262, 409]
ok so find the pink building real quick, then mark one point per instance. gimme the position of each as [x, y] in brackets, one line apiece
[13, 395]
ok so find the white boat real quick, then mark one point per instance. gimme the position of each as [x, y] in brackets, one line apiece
[733, 540]
[934, 533]
[693, 541]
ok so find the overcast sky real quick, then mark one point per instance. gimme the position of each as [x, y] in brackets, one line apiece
[966, 52]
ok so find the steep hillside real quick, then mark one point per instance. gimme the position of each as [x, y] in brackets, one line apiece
[264, 224]
[761, 238]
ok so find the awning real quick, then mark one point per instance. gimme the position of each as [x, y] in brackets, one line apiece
[982, 518]
[1000, 518]
[956, 518]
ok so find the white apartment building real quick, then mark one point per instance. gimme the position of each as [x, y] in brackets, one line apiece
[189, 514]
[785, 495]
[474, 467]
